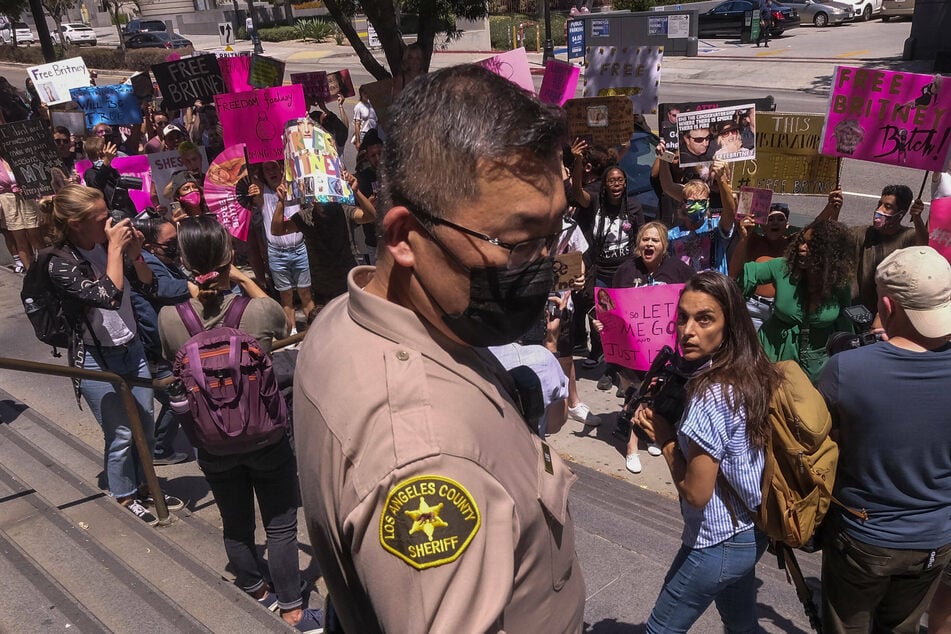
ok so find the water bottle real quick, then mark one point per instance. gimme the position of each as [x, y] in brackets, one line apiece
[177, 397]
[30, 305]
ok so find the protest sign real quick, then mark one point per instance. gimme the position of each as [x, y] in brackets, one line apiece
[714, 135]
[235, 70]
[606, 121]
[142, 85]
[137, 166]
[312, 166]
[265, 72]
[559, 83]
[638, 322]
[632, 71]
[314, 84]
[755, 202]
[227, 187]
[53, 81]
[787, 155]
[939, 223]
[185, 81]
[72, 120]
[667, 114]
[165, 164]
[115, 105]
[257, 119]
[339, 83]
[889, 117]
[380, 94]
[513, 66]
[28, 147]
[567, 267]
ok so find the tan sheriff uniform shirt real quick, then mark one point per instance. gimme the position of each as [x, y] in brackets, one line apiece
[431, 506]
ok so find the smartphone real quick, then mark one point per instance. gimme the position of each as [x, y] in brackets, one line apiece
[667, 156]
[174, 207]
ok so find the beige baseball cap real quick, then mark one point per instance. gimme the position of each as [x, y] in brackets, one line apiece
[919, 279]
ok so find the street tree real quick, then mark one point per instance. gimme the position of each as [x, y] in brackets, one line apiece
[114, 7]
[57, 10]
[12, 10]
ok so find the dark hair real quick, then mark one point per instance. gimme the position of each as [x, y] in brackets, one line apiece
[600, 158]
[449, 121]
[205, 246]
[902, 194]
[61, 129]
[830, 264]
[149, 226]
[741, 369]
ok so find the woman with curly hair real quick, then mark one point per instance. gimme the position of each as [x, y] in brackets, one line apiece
[812, 287]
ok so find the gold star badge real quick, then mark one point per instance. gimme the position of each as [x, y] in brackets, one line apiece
[426, 518]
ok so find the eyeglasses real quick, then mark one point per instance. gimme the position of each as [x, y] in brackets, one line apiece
[61, 141]
[699, 139]
[615, 181]
[520, 253]
[697, 201]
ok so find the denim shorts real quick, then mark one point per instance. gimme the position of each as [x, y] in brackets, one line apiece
[289, 267]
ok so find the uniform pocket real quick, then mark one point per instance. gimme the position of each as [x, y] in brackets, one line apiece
[554, 483]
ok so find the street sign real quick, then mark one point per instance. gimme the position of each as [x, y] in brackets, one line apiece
[575, 38]
[226, 33]
[372, 38]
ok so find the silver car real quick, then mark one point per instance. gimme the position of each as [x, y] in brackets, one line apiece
[821, 12]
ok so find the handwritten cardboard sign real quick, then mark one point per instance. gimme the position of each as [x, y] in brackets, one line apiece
[314, 84]
[605, 121]
[889, 117]
[53, 81]
[165, 164]
[754, 202]
[28, 147]
[567, 266]
[137, 166]
[632, 71]
[115, 105]
[939, 224]
[513, 66]
[265, 72]
[638, 322]
[190, 79]
[235, 70]
[559, 83]
[257, 119]
[714, 135]
[312, 166]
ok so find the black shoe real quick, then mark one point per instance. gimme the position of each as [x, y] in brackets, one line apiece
[172, 458]
[606, 382]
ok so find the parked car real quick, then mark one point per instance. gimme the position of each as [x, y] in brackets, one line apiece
[142, 26]
[158, 39]
[821, 12]
[23, 32]
[78, 34]
[897, 8]
[865, 9]
[727, 19]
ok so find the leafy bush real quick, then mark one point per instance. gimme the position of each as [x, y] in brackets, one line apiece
[278, 34]
[315, 29]
[500, 30]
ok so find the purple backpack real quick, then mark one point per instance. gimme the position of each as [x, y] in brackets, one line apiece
[232, 392]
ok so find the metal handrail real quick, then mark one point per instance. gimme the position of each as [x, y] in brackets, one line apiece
[132, 411]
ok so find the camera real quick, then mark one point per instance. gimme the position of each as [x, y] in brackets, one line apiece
[663, 390]
[862, 317]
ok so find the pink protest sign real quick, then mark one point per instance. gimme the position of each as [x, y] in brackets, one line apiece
[755, 202]
[137, 166]
[512, 65]
[940, 225]
[638, 322]
[889, 117]
[315, 85]
[256, 118]
[559, 83]
[235, 70]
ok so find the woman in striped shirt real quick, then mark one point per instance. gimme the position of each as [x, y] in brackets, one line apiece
[715, 455]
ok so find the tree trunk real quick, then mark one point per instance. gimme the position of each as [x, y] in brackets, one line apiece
[288, 13]
[366, 58]
[383, 16]
[114, 12]
[58, 22]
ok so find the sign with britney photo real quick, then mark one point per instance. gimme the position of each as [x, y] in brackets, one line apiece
[638, 322]
[889, 117]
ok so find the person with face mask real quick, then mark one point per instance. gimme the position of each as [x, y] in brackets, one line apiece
[423, 483]
[697, 239]
[187, 192]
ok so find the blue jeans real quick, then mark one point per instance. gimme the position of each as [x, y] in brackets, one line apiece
[121, 461]
[166, 425]
[290, 267]
[724, 573]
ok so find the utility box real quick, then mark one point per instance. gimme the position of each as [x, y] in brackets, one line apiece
[751, 28]
[676, 31]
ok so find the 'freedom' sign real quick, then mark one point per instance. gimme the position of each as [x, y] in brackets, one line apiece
[185, 81]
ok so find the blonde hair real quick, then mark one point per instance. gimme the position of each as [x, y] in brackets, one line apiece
[695, 189]
[71, 203]
[92, 147]
[661, 229]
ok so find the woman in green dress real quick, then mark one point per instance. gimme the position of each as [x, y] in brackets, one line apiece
[813, 284]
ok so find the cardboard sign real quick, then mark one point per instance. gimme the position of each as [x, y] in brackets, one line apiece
[567, 266]
[714, 135]
[380, 94]
[889, 117]
[787, 155]
[265, 72]
[630, 71]
[137, 166]
[115, 105]
[257, 119]
[559, 83]
[53, 81]
[754, 202]
[142, 85]
[165, 164]
[185, 81]
[939, 223]
[28, 147]
[513, 66]
[314, 84]
[339, 83]
[638, 322]
[312, 166]
[235, 70]
[72, 120]
[606, 121]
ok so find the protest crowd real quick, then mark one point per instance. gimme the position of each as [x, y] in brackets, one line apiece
[483, 243]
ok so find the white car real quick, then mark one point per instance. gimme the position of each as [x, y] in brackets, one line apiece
[865, 9]
[78, 34]
[24, 34]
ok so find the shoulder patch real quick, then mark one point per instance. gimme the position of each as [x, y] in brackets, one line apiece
[428, 521]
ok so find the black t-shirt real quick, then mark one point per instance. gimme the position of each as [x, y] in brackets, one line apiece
[326, 231]
[369, 185]
[633, 273]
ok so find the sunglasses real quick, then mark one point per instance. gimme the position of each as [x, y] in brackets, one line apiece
[699, 139]
[61, 141]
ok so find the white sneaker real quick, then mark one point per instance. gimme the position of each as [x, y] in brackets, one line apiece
[582, 414]
[654, 450]
[633, 463]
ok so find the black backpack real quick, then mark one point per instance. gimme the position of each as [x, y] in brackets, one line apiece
[43, 303]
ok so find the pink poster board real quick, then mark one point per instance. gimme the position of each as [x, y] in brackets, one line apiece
[235, 70]
[315, 85]
[940, 225]
[512, 65]
[137, 166]
[559, 83]
[889, 117]
[755, 202]
[638, 322]
[256, 118]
